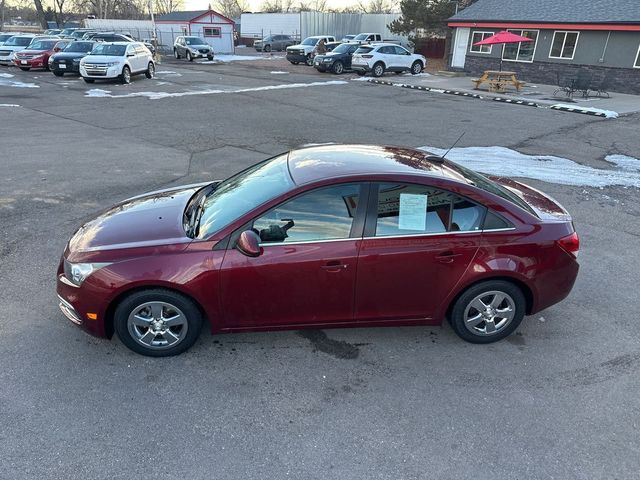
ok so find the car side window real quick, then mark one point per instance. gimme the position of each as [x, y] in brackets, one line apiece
[408, 209]
[323, 214]
[493, 221]
[401, 51]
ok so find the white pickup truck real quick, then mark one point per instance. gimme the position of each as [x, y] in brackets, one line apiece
[304, 51]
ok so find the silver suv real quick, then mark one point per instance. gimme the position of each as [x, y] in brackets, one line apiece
[192, 47]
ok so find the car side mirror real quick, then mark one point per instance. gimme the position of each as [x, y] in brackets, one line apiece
[249, 244]
[131, 54]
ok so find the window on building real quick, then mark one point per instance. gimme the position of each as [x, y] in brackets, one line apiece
[563, 45]
[478, 37]
[637, 64]
[523, 51]
[211, 31]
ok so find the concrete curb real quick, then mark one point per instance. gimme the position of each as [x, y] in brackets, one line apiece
[426, 89]
[516, 102]
[578, 110]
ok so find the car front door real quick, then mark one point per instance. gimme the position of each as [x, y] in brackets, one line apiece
[307, 270]
[404, 57]
[349, 56]
[418, 242]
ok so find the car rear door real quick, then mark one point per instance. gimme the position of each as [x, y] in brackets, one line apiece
[307, 271]
[418, 242]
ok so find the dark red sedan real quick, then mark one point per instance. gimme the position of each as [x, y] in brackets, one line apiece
[37, 54]
[320, 237]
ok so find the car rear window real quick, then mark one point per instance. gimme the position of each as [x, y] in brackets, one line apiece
[364, 50]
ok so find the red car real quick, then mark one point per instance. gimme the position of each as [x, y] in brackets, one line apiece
[320, 237]
[37, 54]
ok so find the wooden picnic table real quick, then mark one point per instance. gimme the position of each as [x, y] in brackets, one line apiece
[498, 80]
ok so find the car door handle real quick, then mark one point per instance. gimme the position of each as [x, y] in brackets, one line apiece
[447, 257]
[334, 266]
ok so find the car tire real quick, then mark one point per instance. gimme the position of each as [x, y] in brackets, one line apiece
[25, 69]
[210, 58]
[338, 67]
[361, 73]
[151, 70]
[58, 73]
[266, 48]
[89, 80]
[416, 68]
[294, 63]
[378, 69]
[157, 322]
[488, 311]
[125, 77]
[189, 56]
[176, 54]
[309, 61]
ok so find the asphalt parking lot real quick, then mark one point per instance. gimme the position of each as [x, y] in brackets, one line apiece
[559, 399]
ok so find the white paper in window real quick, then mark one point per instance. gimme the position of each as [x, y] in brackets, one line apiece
[413, 212]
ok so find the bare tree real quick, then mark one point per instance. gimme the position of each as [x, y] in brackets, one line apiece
[2, 5]
[377, 6]
[231, 8]
[313, 6]
[41, 14]
[167, 6]
[277, 6]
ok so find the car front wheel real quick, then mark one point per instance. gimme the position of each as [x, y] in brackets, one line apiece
[309, 60]
[189, 57]
[151, 71]
[157, 323]
[175, 53]
[488, 311]
[126, 75]
[267, 48]
[338, 67]
[416, 68]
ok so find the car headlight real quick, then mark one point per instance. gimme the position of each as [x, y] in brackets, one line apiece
[77, 273]
[76, 60]
[327, 60]
[112, 64]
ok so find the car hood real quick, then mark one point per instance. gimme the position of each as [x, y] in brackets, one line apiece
[331, 55]
[299, 47]
[151, 219]
[34, 52]
[69, 55]
[13, 48]
[102, 58]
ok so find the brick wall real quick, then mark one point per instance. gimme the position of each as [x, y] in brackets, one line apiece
[622, 80]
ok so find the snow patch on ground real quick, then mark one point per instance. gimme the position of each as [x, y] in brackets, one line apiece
[159, 95]
[278, 72]
[237, 58]
[16, 84]
[510, 163]
[423, 74]
[607, 113]
[360, 79]
[6, 75]
[9, 105]
[168, 72]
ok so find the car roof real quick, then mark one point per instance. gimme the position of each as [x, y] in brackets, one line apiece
[315, 163]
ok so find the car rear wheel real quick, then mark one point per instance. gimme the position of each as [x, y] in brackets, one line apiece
[267, 48]
[309, 60]
[88, 80]
[151, 71]
[175, 53]
[488, 311]
[58, 73]
[295, 63]
[338, 67]
[157, 323]
[378, 69]
[126, 75]
[416, 68]
[189, 57]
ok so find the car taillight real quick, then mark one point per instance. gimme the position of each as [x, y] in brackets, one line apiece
[367, 56]
[570, 244]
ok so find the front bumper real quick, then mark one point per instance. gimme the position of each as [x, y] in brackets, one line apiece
[201, 54]
[106, 72]
[7, 60]
[65, 66]
[296, 57]
[31, 63]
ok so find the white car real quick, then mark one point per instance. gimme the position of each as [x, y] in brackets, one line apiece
[386, 57]
[367, 38]
[13, 45]
[119, 60]
[5, 36]
[303, 52]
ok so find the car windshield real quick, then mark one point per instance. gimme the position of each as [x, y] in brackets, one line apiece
[5, 37]
[268, 38]
[195, 41]
[243, 192]
[66, 31]
[342, 48]
[362, 36]
[79, 47]
[18, 41]
[310, 41]
[109, 50]
[490, 186]
[364, 50]
[43, 44]
[78, 34]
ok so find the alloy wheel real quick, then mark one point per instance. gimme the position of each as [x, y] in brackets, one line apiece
[489, 313]
[157, 325]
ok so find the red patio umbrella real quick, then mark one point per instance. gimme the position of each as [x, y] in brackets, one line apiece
[502, 37]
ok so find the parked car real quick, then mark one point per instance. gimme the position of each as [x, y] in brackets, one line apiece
[278, 245]
[52, 31]
[37, 54]
[274, 42]
[192, 47]
[337, 60]
[5, 36]
[12, 45]
[367, 38]
[347, 38]
[78, 33]
[119, 60]
[68, 60]
[303, 52]
[380, 58]
[66, 32]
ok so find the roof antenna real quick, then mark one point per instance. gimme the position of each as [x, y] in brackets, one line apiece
[441, 158]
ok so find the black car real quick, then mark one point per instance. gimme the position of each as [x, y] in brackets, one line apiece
[68, 60]
[337, 60]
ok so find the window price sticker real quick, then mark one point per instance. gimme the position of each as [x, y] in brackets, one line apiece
[413, 212]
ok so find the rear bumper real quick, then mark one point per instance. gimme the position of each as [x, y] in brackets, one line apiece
[360, 67]
[554, 285]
